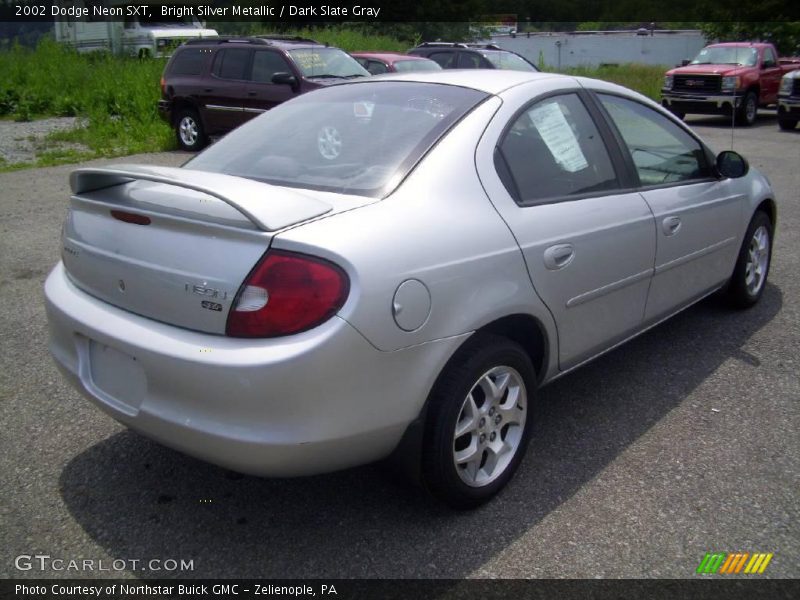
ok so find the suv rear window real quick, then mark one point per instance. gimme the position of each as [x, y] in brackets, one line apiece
[188, 62]
[357, 139]
[231, 63]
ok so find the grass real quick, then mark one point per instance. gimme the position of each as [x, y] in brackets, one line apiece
[645, 79]
[116, 97]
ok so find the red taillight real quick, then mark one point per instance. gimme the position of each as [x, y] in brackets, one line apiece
[163, 86]
[287, 293]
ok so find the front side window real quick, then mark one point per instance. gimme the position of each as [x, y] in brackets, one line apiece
[266, 63]
[553, 150]
[231, 63]
[662, 151]
[770, 60]
[357, 139]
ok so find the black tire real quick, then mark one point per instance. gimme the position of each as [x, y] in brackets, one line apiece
[484, 356]
[787, 124]
[189, 130]
[747, 112]
[740, 293]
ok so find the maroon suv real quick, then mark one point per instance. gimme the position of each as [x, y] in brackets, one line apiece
[213, 85]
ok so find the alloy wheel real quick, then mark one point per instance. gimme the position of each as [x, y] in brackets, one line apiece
[490, 426]
[757, 260]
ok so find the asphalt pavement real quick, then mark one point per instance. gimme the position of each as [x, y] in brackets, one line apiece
[681, 442]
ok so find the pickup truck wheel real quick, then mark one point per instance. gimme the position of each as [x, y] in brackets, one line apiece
[752, 266]
[787, 124]
[478, 423]
[189, 130]
[748, 110]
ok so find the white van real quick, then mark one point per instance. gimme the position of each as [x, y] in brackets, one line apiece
[129, 33]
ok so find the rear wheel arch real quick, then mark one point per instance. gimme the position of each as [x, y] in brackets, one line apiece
[523, 329]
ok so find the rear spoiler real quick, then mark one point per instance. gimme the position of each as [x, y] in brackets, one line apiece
[267, 206]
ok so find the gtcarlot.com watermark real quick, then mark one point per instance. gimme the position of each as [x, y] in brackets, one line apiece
[45, 562]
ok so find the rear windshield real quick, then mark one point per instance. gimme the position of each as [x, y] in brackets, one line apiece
[352, 139]
[327, 62]
[509, 61]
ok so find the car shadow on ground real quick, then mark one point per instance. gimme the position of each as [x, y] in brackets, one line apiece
[137, 499]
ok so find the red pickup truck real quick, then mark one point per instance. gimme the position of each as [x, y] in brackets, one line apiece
[733, 77]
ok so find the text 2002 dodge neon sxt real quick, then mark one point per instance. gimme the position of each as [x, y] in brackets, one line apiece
[395, 265]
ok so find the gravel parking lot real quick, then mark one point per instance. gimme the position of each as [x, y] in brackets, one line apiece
[682, 442]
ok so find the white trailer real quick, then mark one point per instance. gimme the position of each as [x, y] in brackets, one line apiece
[124, 27]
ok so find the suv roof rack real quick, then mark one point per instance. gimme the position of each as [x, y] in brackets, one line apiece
[224, 40]
[442, 45]
[287, 38]
[254, 39]
[485, 46]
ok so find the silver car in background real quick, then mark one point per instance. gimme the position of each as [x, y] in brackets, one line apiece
[393, 267]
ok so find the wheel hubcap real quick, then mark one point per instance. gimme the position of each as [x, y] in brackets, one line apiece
[751, 109]
[187, 129]
[757, 261]
[489, 428]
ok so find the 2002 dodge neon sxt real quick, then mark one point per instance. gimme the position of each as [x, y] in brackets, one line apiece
[395, 266]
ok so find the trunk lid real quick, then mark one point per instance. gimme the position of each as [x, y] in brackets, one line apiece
[173, 244]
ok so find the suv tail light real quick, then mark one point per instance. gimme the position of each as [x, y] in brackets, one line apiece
[163, 86]
[287, 293]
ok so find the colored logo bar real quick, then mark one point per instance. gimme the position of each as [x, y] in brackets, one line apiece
[732, 563]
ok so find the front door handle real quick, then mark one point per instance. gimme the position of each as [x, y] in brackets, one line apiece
[252, 93]
[559, 256]
[671, 225]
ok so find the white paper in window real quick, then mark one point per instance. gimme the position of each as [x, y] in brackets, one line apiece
[552, 125]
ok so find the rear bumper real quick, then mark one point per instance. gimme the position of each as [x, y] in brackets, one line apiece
[700, 104]
[165, 110]
[314, 402]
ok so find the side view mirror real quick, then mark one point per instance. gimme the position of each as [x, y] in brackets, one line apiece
[285, 79]
[685, 62]
[732, 164]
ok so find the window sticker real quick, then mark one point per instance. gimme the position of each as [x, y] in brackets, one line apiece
[556, 132]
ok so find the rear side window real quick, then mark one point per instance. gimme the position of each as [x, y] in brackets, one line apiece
[231, 63]
[553, 150]
[469, 60]
[445, 59]
[188, 62]
[376, 67]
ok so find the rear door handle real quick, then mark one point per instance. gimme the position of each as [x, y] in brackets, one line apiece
[252, 93]
[671, 225]
[558, 256]
[208, 90]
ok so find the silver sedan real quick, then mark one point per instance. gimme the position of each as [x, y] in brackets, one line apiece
[392, 267]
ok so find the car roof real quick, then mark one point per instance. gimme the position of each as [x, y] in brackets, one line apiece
[491, 81]
[389, 57]
[740, 44]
